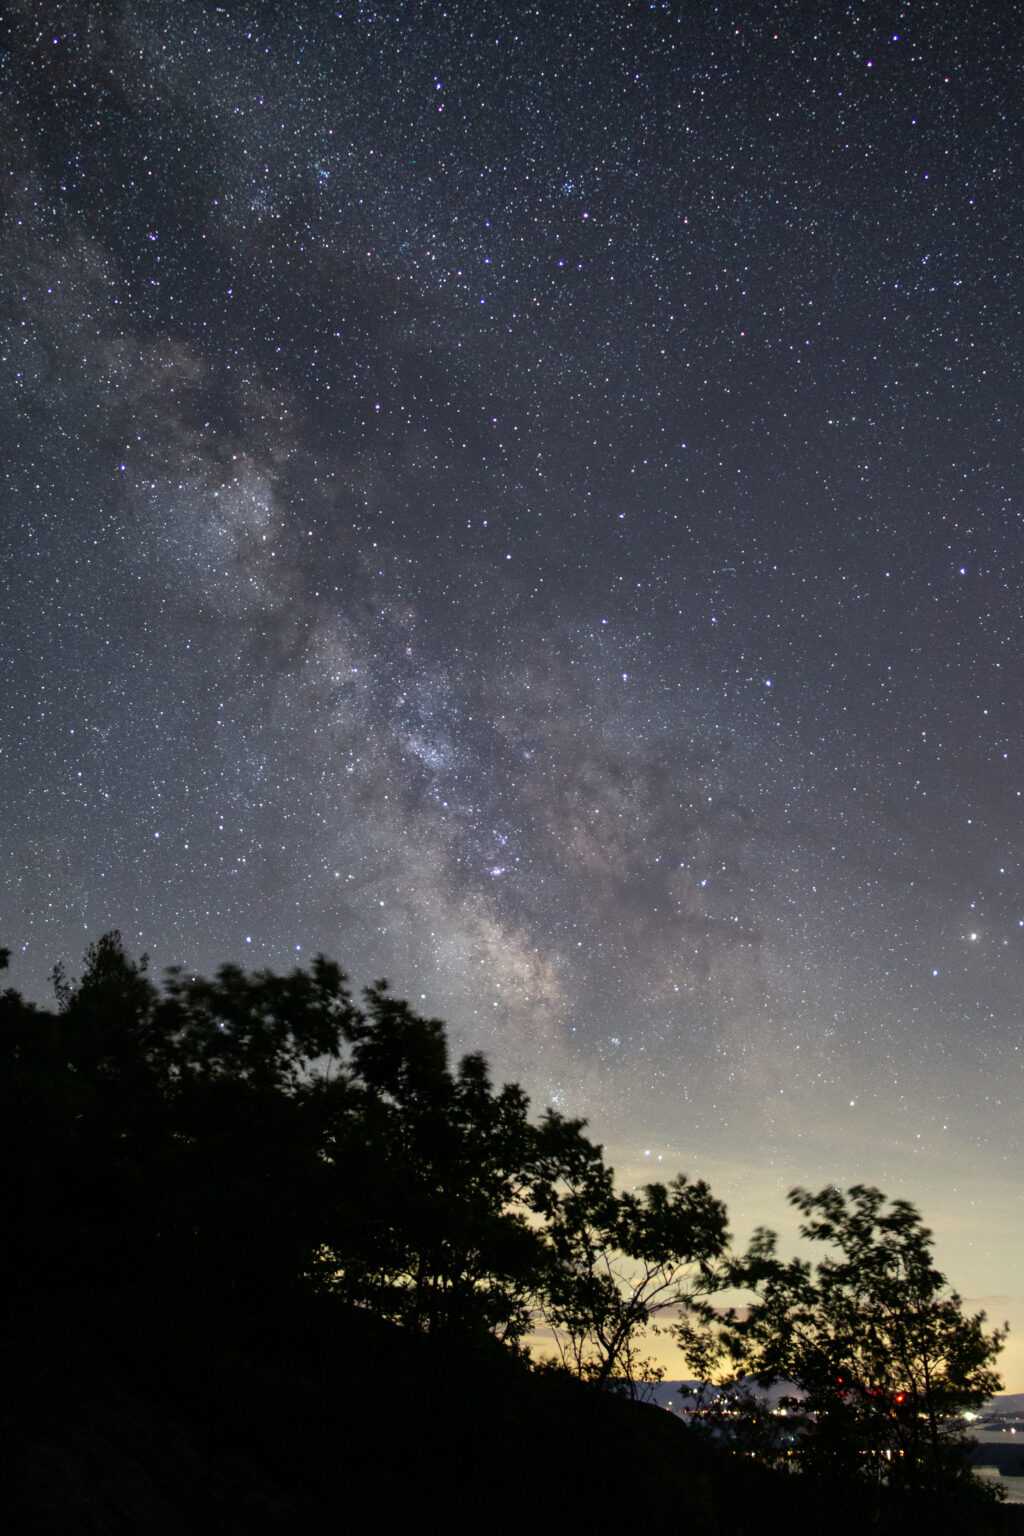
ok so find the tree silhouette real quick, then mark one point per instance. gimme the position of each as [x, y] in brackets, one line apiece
[617, 1260]
[255, 1139]
[432, 1165]
[879, 1346]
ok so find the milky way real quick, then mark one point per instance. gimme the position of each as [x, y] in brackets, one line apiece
[527, 501]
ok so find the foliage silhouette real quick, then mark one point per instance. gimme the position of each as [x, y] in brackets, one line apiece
[883, 1355]
[259, 1131]
[617, 1260]
[431, 1166]
[281, 1212]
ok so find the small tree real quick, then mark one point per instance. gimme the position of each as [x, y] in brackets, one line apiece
[885, 1359]
[617, 1261]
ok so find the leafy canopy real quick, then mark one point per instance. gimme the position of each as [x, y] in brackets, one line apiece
[884, 1357]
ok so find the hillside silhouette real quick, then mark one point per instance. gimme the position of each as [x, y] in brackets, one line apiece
[272, 1259]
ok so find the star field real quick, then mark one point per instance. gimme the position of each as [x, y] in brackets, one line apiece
[526, 500]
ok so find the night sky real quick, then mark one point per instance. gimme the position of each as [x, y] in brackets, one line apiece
[527, 500]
